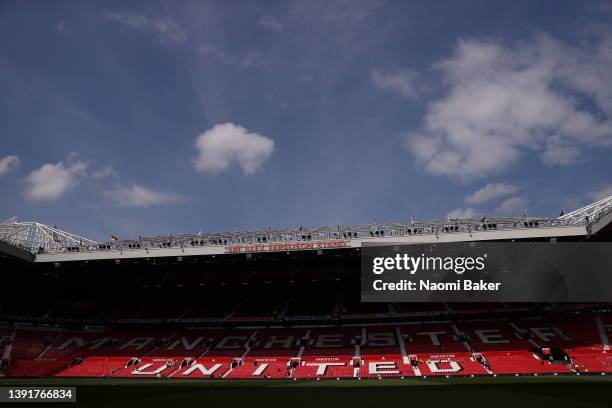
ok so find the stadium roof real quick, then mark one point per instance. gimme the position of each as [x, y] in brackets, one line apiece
[48, 242]
[590, 213]
[36, 237]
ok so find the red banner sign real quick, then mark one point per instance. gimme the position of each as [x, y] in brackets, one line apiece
[285, 246]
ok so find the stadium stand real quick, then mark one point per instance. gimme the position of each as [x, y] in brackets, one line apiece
[207, 309]
[427, 349]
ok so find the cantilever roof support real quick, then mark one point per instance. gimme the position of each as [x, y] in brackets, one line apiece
[596, 215]
[36, 237]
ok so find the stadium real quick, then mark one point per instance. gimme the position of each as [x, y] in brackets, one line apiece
[397, 203]
[278, 305]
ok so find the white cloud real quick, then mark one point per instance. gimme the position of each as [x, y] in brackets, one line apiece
[503, 101]
[490, 192]
[513, 206]
[405, 83]
[104, 173]
[133, 195]
[603, 192]
[462, 213]
[270, 23]
[9, 164]
[227, 143]
[168, 30]
[51, 181]
[251, 58]
[217, 55]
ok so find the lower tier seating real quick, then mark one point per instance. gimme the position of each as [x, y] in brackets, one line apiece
[424, 349]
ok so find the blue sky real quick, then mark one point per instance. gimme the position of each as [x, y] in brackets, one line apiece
[141, 118]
